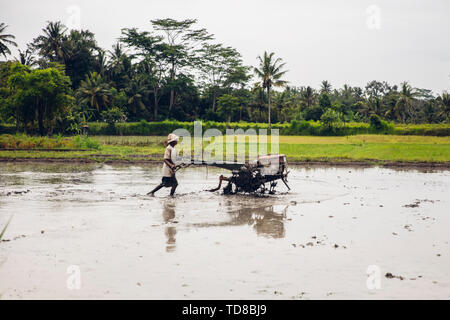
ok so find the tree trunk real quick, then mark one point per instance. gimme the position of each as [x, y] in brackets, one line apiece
[17, 120]
[40, 121]
[172, 91]
[172, 99]
[268, 96]
[214, 100]
[155, 109]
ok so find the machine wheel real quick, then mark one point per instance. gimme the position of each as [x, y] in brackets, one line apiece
[228, 189]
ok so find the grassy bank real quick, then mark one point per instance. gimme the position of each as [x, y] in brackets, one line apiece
[294, 128]
[360, 148]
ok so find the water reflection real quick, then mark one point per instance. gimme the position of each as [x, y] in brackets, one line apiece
[267, 220]
[168, 214]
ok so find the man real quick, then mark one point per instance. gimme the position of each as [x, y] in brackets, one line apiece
[168, 179]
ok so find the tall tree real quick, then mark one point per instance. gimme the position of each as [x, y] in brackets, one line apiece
[80, 59]
[137, 92]
[119, 65]
[26, 58]
[325, 87]
[257, 101]
[182, 46]
[40, 95]
[221, 66]
[403, 108]
[52, 45]
[149, 48]
[5, 40]
[94, 92]
[101, 62]
[270, 72]
[444, 103]
[227, 106]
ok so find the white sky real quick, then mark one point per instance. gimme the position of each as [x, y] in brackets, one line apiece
[335, 40]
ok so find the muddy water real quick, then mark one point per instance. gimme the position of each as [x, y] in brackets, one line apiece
[316, 241]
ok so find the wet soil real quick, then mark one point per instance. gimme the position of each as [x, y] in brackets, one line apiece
[317, 241]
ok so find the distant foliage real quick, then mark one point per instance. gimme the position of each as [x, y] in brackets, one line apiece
[174, 69]
[295, 127]
[22, 141]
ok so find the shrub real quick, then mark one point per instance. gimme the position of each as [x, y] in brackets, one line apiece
[113, 115]
[7, 128]
[377, 125]
[83, 142]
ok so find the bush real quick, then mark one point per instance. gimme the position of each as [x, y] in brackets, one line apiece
[332, 123]
[83, 142]
[22, 141]
[113, 115]
[440, 130]
[377, 125]
[7, 129]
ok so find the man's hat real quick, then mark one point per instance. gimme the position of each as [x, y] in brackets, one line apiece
[172, 137]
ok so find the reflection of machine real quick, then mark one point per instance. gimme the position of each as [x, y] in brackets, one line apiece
[253, 176]
[265, 219]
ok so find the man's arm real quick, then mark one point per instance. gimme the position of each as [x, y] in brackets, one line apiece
[169, 163]
[168, 158]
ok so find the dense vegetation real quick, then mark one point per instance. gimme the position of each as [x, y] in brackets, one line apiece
[178, 71]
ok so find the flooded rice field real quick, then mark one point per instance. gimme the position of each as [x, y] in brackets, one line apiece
[89, 231]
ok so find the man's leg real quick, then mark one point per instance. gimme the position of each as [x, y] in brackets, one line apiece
[156, 189]
[174, 185]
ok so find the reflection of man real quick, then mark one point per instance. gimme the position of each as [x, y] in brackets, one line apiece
[168, 214]
[170, 234]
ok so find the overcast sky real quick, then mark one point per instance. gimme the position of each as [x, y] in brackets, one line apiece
[351, 41]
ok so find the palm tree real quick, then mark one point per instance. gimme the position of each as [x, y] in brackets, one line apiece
[137, 91]
[100, 62]
[94, 92]
[120, 66]
[444, 102]
[257, 102]
[270, 72]
[308, 96]
[5, 40]
[404, 105]
[346, 92]
[26, 58]
[52, 44]
[117, 55]
[325, 87]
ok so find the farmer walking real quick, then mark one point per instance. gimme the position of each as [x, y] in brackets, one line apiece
[168, 170]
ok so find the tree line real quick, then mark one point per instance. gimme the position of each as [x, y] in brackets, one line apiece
[177, 70]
